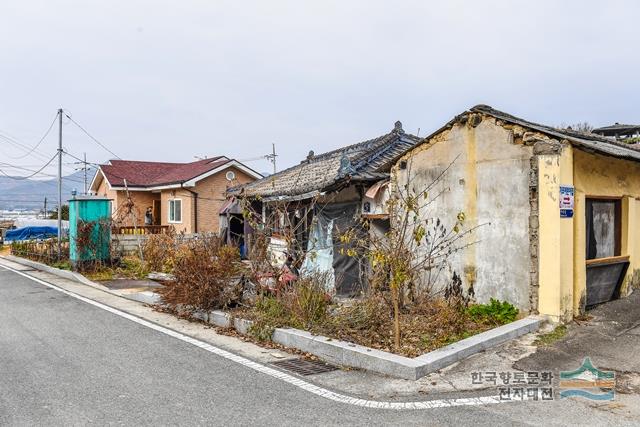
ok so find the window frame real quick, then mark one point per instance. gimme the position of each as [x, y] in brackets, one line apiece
[170, 211]
[617, 212]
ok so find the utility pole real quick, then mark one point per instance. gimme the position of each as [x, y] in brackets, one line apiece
[45, 208]
[84, 166]
[272, 157]
[59, 183]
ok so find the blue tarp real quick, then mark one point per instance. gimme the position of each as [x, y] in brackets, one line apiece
[30, 233]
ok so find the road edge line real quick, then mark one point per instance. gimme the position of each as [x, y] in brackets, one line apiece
[272, 372]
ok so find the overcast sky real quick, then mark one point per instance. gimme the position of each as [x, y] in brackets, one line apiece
[169, 80]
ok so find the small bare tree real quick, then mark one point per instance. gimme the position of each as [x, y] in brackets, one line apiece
[416, 248]
[585, 127]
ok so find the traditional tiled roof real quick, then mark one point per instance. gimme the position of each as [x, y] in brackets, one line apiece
[616, 129]
[153, 174]
[585, 141]
[365, 161]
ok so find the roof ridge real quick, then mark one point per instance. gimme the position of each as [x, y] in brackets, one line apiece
[588, 140]
[543, 128]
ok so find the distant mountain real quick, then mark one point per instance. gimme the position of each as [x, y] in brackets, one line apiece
[29, 194]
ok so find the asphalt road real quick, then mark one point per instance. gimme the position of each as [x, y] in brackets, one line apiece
[66, 362]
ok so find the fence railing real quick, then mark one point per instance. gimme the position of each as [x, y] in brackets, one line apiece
[45, 251]
[144, 229]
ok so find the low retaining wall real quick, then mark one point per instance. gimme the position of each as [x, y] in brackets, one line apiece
[357, 356]
[128, 244]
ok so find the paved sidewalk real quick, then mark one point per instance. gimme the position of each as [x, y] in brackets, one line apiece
[611, 338]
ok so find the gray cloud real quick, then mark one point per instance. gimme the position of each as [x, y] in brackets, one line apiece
[170, 80]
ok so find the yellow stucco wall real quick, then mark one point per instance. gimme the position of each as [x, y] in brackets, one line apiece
[556, 237]
[603, 176]
[562, 251]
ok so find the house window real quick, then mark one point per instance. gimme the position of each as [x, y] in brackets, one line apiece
[603, 228]
[175, 210]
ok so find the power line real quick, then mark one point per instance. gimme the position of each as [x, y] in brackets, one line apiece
[7, 165]
[92, 137]
[29, 176]
[35, 147]
[20, 146]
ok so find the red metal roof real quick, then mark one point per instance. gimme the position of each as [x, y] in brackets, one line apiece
[153, 174]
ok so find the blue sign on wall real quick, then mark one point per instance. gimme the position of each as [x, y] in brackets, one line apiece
[566, 201]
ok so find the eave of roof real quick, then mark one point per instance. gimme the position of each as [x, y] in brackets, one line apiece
[369, 160]
[166, 175]
[589, 142]
[617, 128]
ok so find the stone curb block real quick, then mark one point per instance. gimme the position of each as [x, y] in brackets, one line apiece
[357, 356]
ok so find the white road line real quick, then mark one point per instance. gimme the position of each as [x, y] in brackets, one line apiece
[304, 385]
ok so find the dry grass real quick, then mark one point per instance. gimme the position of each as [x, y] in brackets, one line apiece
[427, 324]
[425, 327]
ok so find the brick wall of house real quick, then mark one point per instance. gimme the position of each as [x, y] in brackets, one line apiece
[211, 197]
[186, 225]
[103, 190]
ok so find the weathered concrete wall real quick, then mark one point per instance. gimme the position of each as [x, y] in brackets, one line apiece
[488, 179]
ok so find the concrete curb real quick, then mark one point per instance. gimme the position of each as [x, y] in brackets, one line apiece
[65, 274]
[77, 277]
[357, 356]
[337, 351]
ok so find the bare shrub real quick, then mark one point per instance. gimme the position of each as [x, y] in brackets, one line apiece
[411, 257]
[160, 251]
[93, 245]
[208, 275]
[302, 304]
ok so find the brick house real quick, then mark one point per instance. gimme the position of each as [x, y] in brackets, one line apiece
[187, 196]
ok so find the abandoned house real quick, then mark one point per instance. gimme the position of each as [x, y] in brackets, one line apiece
[305, 208]
[557, 211]
[626, 133]
[185, 196]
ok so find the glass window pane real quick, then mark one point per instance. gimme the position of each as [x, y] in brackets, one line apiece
[604, 228]
[178, 210]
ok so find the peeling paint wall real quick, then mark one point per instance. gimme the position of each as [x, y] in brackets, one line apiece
[488, 179]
